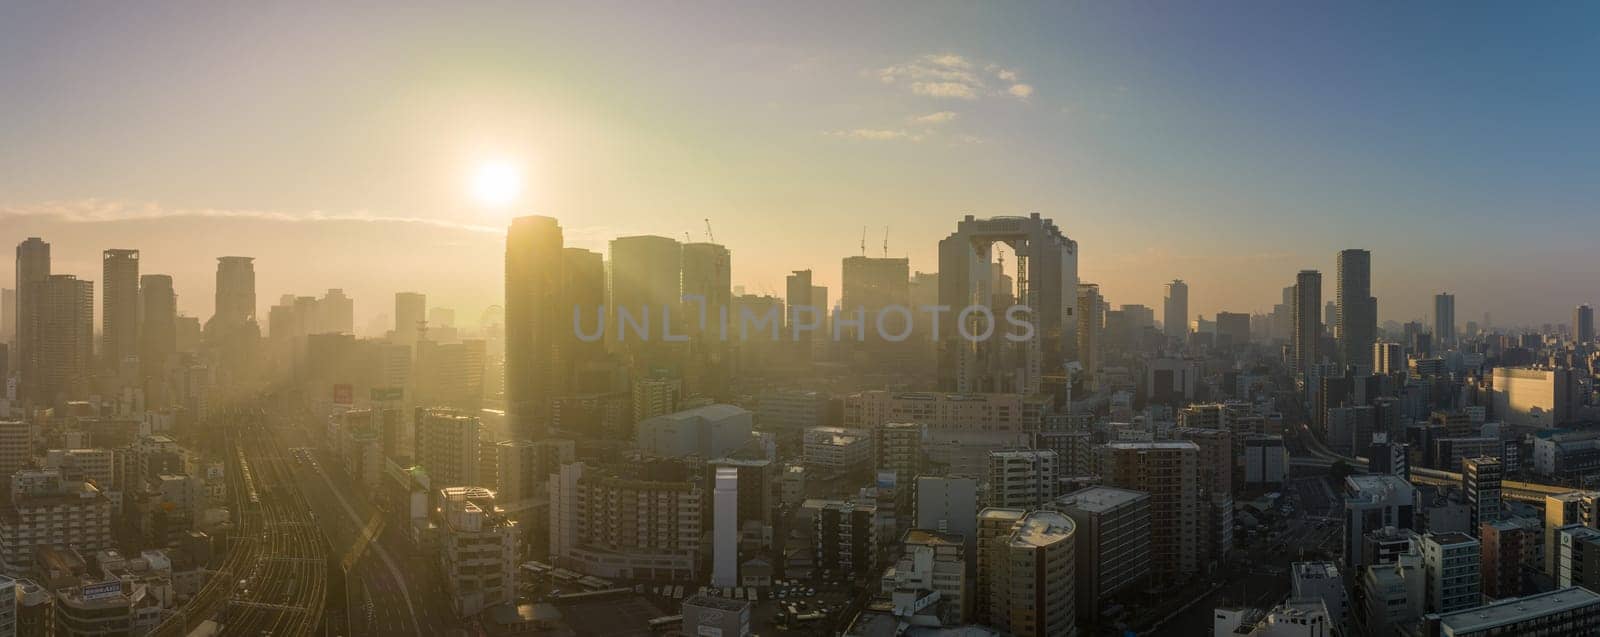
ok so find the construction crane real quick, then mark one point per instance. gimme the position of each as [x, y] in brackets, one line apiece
[863, 241]
[886, 242]
[709, 237]
[686, 238]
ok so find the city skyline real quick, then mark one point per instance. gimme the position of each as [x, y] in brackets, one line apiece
[1229, 186]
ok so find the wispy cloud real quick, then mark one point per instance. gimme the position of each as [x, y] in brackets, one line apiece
[103, 211]
[877, 134]
[947, 75]
[932, 119]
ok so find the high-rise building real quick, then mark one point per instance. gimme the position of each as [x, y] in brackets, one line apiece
[1113, 542]
[119, 314]
[610, 525]
[1022, 478]
[1307, 321]
[583, 290]
[1388, 357]
[869, 285]
[8, 315]
[33, 269]
[1480, 480]
[725, 528]
[236, 290]
[1357, 325]
[410, 316]
[1233, 329]
[158, 329]
[1047, 282]
[1175, 310]
[801, 318]
[1169, 472]
[1577, 507]
[336, 313]
[647, 284]
[1452, 561]
[1091, 329]
[479, 550]
[1583, 325]
[1508, 548]
[448, 446]
[1027, 573]
[1321, 581]
[64, 343]
[534, 317]
[1444, 319]
[1371, 503]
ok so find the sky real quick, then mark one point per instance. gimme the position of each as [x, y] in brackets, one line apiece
[1228, 144]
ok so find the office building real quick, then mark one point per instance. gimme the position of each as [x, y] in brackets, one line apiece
[1169, 473]
[410, 316]
[1266, 461]
[1532, 397]
[535, 320]
[1394, 594]
[1583, 325]
[1113, 543]
[948, 504]
[1453, 563]
[831, 451]
[1233, 329]
[1568, 611]
[1388, 357]
[898, 447]
[1175, 310]
[1047, 282]
[158, 327]
[1321, 581]
[119, 314]
[1480, 481]
[712, 431]
[870, 284]
[1026, 572]
[802, 319]
[523, 466]
[1578, 557]
[1578, 507]
[1371, 503]
[448, 446]
[725, 528]
[1091, 330]
[1444, 319]
[1307, 321]
[479, 550]
[1357, 321]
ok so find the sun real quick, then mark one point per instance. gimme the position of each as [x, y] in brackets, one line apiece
[496, 183]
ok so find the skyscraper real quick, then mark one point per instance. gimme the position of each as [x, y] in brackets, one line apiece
[583, 287]
[33, 269]
[158, 333]
[534, 316]
[1444, 319]
[800, 312]
[872, 284]
[65, 343]
[236, 290]
[410, 315]
[1046, 281]
[1583, 325]
[336, 313]
[1358, 311]
[119, 314]
[1175, 310]
[1307, 320]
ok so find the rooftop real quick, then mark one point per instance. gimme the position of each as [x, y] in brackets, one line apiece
[1042, 528]
[1510, 611]
[718, 603]
[1153, 445]
[927, 537]
[1100, 499]
[1315, 570]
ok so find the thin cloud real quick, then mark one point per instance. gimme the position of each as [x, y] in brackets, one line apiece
[877, 134]
[102, 211]
[940, 117]
[951, 76]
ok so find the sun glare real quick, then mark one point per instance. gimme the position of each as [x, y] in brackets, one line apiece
[496, 183]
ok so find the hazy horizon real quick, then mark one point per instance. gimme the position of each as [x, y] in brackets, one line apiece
[1227, 149]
